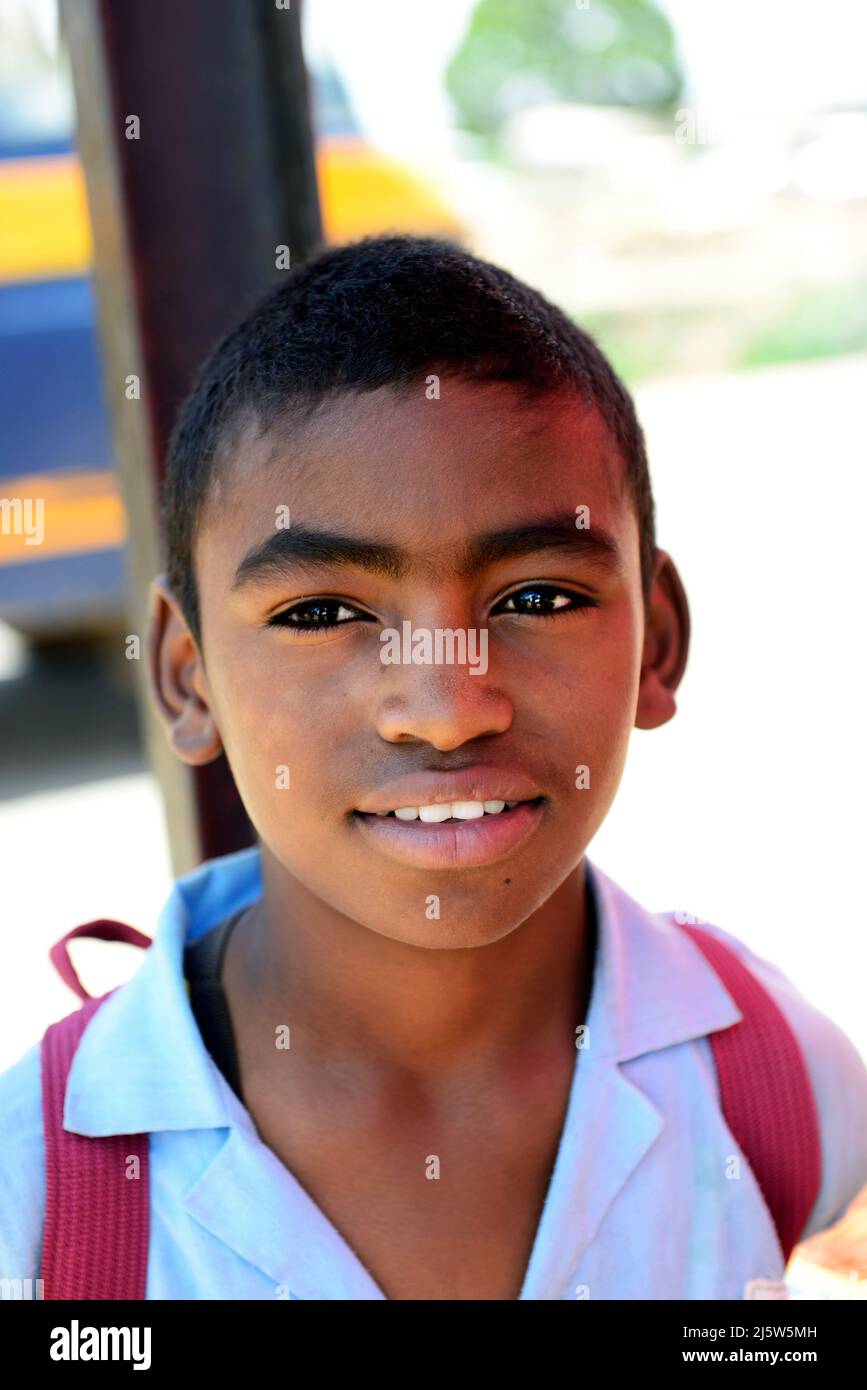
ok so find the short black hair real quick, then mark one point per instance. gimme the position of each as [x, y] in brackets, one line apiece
[385, 310]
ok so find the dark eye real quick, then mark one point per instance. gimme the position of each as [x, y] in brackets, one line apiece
[546, 601]
[315, 615]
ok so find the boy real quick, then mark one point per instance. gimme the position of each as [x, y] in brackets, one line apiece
[428, 1051]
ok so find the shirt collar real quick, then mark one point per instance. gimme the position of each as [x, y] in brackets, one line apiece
[659, 988]
[142, 1065]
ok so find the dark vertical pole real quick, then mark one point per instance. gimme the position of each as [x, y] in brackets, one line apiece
[195, 134]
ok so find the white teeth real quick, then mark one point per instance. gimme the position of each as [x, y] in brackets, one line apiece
[450, 810]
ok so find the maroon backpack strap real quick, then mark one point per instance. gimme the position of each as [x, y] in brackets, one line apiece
[766, 1094]
[95, 1238]
[104, 929]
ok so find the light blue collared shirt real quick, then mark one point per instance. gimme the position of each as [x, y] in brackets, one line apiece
[639, 1204]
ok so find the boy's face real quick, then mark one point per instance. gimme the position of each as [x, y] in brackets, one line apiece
[316, 725]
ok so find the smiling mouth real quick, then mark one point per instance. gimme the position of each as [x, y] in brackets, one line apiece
[468, 840]
[458, 813]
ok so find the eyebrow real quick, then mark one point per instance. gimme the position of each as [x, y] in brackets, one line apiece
[307, 547]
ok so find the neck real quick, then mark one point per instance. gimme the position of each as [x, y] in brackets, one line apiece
[363, 1003]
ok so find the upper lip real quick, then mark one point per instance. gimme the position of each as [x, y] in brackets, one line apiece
[437, 788]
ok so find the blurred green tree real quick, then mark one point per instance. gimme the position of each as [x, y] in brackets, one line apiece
[519, 53]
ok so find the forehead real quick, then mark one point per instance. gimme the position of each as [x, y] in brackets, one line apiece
[427, 471]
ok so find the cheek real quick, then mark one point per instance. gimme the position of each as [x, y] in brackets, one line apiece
[602, 692]
[268, 729]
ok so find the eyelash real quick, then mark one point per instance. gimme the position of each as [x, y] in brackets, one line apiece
[580, 604]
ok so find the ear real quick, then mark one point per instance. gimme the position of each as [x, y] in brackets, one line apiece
[178, 683]
[666, 646]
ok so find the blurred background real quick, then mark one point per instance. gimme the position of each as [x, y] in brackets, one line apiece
[689, 182]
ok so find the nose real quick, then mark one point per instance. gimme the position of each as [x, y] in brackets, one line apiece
[442, 704]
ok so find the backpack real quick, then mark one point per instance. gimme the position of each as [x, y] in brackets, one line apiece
[95, 1241]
